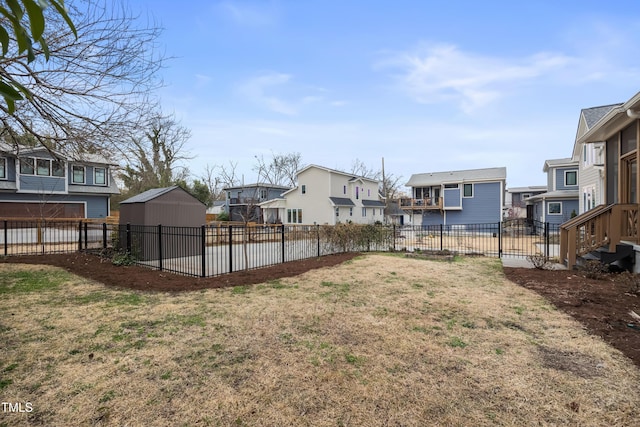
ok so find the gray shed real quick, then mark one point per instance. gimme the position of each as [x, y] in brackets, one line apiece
[180, 214]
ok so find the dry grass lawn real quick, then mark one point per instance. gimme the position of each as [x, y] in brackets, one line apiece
[379, 341]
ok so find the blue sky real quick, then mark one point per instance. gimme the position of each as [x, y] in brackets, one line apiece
[428, 85]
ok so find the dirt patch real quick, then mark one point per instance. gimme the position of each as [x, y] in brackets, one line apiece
[146, 279]
[602, 306]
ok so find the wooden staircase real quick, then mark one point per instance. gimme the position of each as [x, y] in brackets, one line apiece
[599, 234]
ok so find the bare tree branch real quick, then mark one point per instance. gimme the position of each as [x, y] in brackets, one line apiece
[95, 88]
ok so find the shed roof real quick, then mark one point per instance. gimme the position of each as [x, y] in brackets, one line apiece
[373, 203]
[150, 194]
[558, 194]
[341, 201]
[437, 178]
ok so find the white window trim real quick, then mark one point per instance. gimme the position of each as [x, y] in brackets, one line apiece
[106, 176]
[565, 178]
[473, 190]
[6, 168]
[549, 208]
[84, 174]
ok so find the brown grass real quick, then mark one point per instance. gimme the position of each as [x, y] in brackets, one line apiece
[379, 341]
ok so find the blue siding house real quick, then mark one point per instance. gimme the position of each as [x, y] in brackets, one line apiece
[242, 201]
[561, 202]
[473, 196]
[38, 183]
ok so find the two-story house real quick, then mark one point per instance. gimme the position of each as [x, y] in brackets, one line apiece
[560, 203]
[242, 202]
[613, 221]
[473, 196]
[328, 196]
[591, 157]
[38, 183]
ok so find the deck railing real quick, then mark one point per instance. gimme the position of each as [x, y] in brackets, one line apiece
[424, 203]
[601, 226]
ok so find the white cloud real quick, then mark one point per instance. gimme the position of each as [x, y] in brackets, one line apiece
[443, 72]
[256, 90]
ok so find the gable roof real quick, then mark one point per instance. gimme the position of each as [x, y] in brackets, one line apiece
[470, 175]
[20, 150]
[151, 194]
[594, 114]
[351, 176]
[555, 163]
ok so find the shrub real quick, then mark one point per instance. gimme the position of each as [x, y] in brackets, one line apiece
[595, 269]
[539, 261]
[630, 280]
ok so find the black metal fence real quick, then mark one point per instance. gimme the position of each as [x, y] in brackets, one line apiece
[212, 250]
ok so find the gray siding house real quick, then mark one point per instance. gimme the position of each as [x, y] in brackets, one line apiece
[516, 205]
[560, 203]
[474, 196]
[38, 183]
[242, 201]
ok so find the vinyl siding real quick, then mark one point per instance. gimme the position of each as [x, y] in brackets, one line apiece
[567, 207]
[590, 176]
[41, 184]
[559, 174]
[452, 198]
[96, 206]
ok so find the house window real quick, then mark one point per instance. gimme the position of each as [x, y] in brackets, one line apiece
[43, 167]
[100, 176]
[451, 186]
[344, 189]
[350, 211]
[57, 168]
[570, 178]
[337, 212]
[3, 168]
[294, 216]
[263, 194]
[468, 190]
[357, 192]
[368, 193]
[78, 174]
[364, 211]
[304, 189]
[27, 166]
[525, 196]
[554, 208]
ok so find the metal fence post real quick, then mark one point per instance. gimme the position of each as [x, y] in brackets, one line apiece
[86, 236]
[80, 236]
[441, 237]
[104, 235]
[160, 246]
[203, 247]
[393, 237]
[230, 248]
[282, 243]
[128, 238]
[318, 239]
[6, 235]
[546, 240]
[499, 240]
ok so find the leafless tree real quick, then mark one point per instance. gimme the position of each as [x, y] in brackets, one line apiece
[359, 168]
[156, 159]
[280, 169]
[94, 88]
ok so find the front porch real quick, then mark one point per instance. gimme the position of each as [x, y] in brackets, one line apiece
[602, 228]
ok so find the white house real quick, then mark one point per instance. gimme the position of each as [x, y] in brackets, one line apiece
[591, 157]
[327, 196]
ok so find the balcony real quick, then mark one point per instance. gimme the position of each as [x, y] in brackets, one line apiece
[427, 203]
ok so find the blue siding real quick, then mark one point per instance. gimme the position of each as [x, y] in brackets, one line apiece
[41, 184]
[567, 207]
[484, 207]
[452, 198]
[559, 174]
[96, 206]
[432, 218]
[88, 174]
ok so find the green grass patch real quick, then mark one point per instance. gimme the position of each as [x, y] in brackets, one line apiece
[457, 342]
[16, 282]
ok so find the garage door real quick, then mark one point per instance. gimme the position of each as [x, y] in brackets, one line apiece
[41, 210]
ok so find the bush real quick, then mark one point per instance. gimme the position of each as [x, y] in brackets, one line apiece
[123, 258]
[595, 270]
[223, 216]
[356, 237]
[630, 280]
[539, 261]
